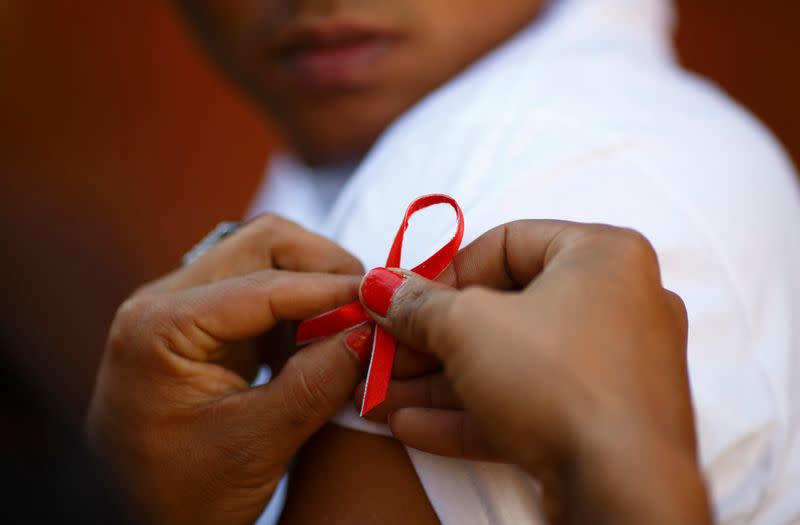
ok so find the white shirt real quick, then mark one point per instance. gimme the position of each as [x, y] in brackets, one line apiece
[586, 116]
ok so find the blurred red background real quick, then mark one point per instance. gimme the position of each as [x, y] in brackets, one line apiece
[120, 147]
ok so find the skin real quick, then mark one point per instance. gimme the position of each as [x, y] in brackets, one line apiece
[564, 354]
[593, 348]
[173, 409]
[432, 42]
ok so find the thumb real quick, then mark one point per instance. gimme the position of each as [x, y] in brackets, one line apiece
[311, 388]
[425, 315]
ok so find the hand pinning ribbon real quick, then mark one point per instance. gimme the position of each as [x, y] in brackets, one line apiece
[353, 314]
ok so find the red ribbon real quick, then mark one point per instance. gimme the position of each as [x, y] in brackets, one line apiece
[353, 314]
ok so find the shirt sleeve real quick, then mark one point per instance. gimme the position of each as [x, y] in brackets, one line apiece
[737, 403]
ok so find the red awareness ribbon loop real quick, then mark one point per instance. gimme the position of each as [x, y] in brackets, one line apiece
[353, 314]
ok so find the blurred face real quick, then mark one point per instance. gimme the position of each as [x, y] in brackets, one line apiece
[334, 73]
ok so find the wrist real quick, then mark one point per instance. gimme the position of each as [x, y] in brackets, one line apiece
[628, 478]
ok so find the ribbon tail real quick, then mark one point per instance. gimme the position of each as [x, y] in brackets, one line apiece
[380, 370]
[330, 323]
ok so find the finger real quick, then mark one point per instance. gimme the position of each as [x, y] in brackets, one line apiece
[297, 249]
[313, 386]
[442, 432]
[678, 308]
[275, 353]
[268, 241]
[195, 323]
[431, 391]
[422, 314]
[508, 256]
[409, 363]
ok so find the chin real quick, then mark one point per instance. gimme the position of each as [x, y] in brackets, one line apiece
[328, 153]
[341, 129]
[341, 144]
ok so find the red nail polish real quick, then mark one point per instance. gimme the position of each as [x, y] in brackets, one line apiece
[359, 341]
[378, 287]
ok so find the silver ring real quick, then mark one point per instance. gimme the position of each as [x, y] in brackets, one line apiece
[222, 230]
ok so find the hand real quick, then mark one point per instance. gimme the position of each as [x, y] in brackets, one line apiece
[267, 241]
[192, 440]
[564, 354]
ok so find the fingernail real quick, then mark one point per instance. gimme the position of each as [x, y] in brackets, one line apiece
[359, 341]
[378, 287]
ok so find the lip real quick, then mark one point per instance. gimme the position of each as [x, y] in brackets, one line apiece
[334, 53]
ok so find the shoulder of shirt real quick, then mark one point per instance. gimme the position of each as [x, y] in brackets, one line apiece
[582, 107]
[643, 120]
